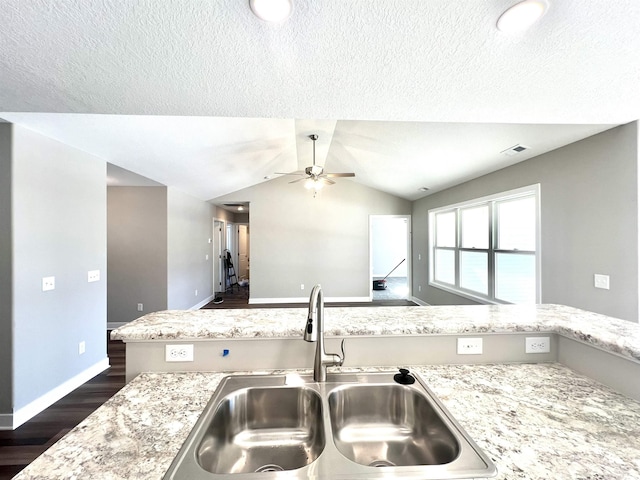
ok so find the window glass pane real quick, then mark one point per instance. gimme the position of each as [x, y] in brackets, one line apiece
[446, 229]
[445, 266]
[473, 271]
[475, 227]
[517, 224]
[516, 277]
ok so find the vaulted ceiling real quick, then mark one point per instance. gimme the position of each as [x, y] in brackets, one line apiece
[204, 96]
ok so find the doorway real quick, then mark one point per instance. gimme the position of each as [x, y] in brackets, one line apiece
[243, 252]
[238, 245]
[218, 271]
[390, 247]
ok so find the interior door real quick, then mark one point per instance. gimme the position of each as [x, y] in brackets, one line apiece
[218, 274]
[243, 252]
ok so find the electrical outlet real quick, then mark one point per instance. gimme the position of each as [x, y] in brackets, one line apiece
[140, 307]
[82, 347]
[302, 286]
[537, 345]
[419, 288]
[93, 276]
[469, 346]
[196, 293]
[48, 283]
[178, 353]
[601, 281]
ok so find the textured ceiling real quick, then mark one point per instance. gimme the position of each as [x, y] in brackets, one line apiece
[350, 67]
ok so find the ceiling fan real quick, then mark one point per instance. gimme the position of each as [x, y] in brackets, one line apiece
[315, 176]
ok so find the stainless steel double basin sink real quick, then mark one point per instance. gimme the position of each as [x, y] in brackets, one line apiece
[354, 426]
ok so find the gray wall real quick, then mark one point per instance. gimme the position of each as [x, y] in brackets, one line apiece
[589, 222]
[190, 228]
[297, 239]
[6, 288]
[137, 251]
[59, 229]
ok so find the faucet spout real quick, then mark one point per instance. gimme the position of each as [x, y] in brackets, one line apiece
[314, 332]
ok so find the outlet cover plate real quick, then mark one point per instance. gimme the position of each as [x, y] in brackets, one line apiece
[601, 281]
[178, 353]
[537, 345]
[48, 283]
[469, 346]
[93, 276]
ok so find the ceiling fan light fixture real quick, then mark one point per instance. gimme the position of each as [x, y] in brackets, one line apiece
[272, 10]
[521, 16]
[314, 183]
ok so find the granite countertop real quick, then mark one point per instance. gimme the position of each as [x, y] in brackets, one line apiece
[536, 421]
[614, 335]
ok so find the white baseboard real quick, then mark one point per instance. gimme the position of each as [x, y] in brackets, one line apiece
[418, 301]
[306, 300]
[114, 325]
[198, 306]
[20, 416]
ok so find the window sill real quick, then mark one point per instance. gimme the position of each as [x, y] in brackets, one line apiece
[467, 295]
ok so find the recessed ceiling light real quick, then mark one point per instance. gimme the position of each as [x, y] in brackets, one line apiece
[521, 16]
[272, 10]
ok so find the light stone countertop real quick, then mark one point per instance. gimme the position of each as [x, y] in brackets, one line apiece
[536, 422]
[611, 334]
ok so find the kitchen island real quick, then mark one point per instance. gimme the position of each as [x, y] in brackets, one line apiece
[535, 421]
[604, 348]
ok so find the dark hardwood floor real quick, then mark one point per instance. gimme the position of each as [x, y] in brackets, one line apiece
[239, 298]
[21, 446]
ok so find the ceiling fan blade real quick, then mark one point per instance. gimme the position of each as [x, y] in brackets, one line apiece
[324, 179]
[338, 175]
[298, 180]
[289, 173]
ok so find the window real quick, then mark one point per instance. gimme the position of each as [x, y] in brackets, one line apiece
[487, 249]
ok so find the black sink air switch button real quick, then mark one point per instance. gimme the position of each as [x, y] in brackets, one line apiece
[404, 377]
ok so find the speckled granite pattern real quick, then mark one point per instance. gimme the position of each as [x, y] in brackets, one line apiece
[611, 334]
[536, 422]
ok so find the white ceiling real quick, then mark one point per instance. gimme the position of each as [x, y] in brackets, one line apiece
[203, 96]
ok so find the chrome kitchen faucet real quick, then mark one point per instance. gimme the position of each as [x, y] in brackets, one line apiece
[314, 332]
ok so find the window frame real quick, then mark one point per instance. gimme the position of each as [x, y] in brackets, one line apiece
[492, 201]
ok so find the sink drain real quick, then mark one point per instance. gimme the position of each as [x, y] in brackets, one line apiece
[381, 463]
[270, 468]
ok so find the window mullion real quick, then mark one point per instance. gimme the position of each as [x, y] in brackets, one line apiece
[458, 244]
[492, 247]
